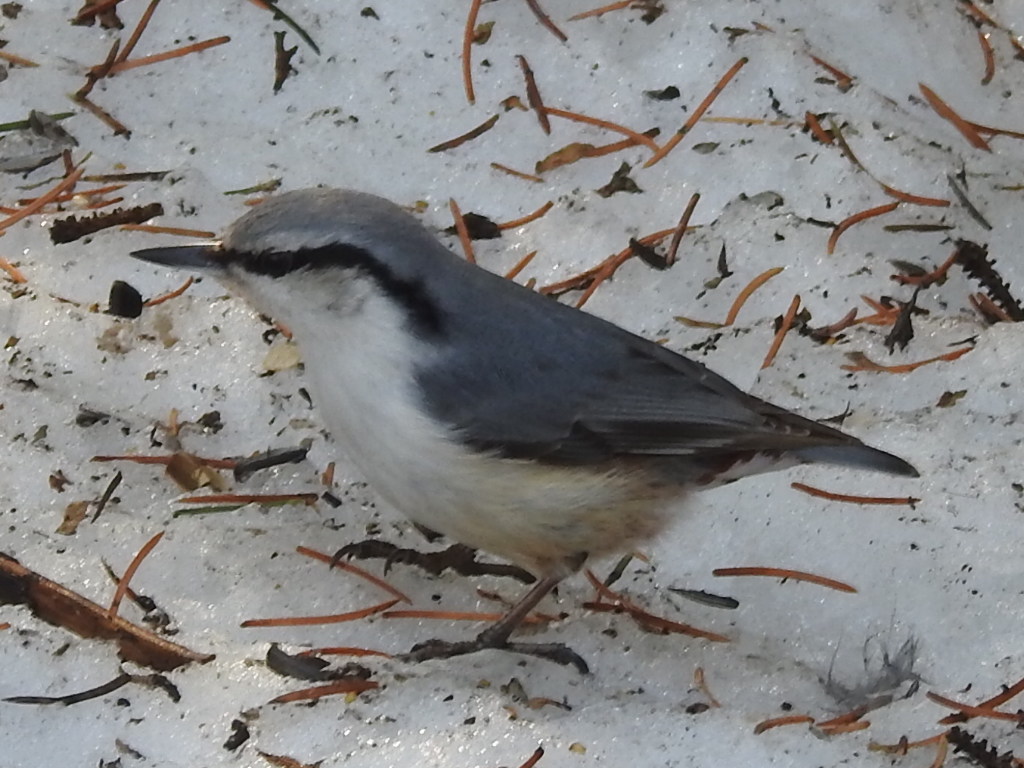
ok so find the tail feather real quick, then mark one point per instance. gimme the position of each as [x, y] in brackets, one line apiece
[857, 455]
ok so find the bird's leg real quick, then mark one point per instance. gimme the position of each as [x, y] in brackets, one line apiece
[458, 558]
[497, 636]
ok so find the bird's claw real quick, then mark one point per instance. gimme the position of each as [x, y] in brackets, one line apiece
[458, 558]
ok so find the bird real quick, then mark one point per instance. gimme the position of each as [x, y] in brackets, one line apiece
[485, 411]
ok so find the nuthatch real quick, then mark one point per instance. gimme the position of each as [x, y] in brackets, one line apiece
[487, 412]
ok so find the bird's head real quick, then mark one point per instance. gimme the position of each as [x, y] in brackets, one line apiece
[304, 255]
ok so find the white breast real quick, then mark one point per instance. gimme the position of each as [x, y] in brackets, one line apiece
[360, 363]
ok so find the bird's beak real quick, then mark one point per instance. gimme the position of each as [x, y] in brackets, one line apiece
[197, 257]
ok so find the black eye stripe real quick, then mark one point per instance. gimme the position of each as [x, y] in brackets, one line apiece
[411, 294]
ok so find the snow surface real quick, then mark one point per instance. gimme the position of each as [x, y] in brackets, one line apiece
[945, 575]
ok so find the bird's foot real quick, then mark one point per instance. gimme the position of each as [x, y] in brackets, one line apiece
[458, 558]
[444, 649]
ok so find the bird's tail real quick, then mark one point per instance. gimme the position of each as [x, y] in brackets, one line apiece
[856, 455]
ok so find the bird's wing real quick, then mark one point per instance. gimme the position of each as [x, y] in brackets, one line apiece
[582, 390]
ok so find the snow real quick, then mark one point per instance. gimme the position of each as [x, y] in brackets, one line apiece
[944, 574]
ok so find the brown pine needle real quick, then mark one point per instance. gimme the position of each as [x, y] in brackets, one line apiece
[168, 296]
[878, 306]
[848, 320]
[467, 50]
[784, 573]
[528, 217]
[906, 197]
[331, 689]
[327, 478]
[816, 130]
[175, 53]
[618, 602]
[520, 174]
[973, 10]
[122, 585]
[137, 32]
[589, 278]
[677, 236]
[13, 58]
[843, 81]
[810, 490]
[533, 95]
[576, 151]
[691, 322]
[844, 719]
[214, 463]
[701, 683]
[40, 202]
[776, 722]
[996, 701]
[748, 121]
[835, 730]
[787, 323]
[469, 135]
[342, 565]
[988, 55]
[520, 266]
[989, 309]
[460, 226]
[888, 317]
[90, 10]
[929, 278]
[414, 613]
[618, 146]
[105, 203]
[856, 218]
[947, 112]
[602, 10]
[997, 131]
[901, 747]
[863, 363]
[610, 266]
[909, 197]
[160, 230]
[119, 128]
[77, 194]
[748, 291]
[972, 711]
[697, 114]
[545, 20]
[941, 749]
[336, 618]
[344, 650]
[12, 271]
[97, 73]
[661, 624]
[637, 137]
[251, 498]
[533, 759]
